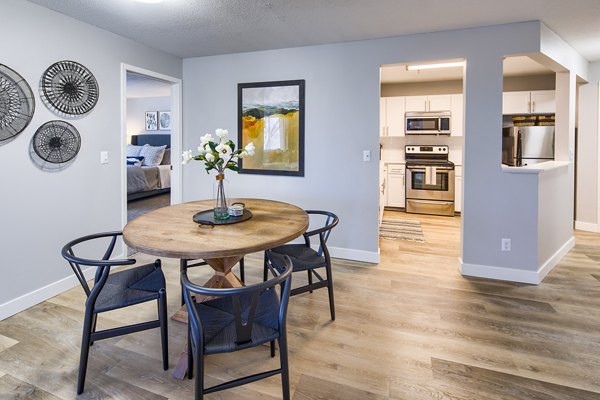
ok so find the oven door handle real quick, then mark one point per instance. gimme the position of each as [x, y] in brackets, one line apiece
[422, 169]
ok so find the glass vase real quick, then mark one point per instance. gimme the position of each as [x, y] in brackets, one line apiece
[220, 209]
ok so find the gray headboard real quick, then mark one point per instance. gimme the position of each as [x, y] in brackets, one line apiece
[156, 139]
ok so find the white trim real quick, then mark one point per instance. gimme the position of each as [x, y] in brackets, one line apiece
[354, 255]
[176, 133]
[37, 296]
[587, 226]
[514, 274]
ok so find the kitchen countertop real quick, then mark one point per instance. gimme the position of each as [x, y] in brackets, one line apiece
[536, 168]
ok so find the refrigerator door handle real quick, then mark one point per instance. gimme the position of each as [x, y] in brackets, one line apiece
[519, 149]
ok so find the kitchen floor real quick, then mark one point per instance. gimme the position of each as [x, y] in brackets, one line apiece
[442, 235]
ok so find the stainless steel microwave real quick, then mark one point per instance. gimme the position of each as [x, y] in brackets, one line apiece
[427, 123]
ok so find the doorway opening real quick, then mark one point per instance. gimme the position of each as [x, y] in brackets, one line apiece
[421, 142]
[151, 125]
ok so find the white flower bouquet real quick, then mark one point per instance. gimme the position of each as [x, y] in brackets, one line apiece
[219, 155]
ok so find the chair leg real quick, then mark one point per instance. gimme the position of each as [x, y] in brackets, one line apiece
[310, 278]
[85, 350]
[94, 319]
[164, 335]
[272, 348]
[285, 372]
[190, 355]
[199, 382]
[330, 290]
[242, 275]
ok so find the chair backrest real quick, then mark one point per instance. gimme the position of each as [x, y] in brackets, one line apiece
[331, 220]
[247, 296]
[103, 265]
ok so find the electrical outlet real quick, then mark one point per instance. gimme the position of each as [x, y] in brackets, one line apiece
[367, 155]
[505, 244]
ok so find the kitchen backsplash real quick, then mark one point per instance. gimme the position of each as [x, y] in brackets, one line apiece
[393, 147]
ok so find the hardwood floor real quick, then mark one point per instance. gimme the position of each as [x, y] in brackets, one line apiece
[409, 328]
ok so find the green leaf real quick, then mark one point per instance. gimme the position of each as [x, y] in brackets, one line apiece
[235, 168]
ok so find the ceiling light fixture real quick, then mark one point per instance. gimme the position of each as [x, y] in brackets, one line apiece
[432, 66]
[150, 1]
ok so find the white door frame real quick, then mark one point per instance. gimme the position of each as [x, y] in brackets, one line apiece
[176, 133]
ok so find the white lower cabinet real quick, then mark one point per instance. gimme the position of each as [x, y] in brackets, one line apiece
[396, 178]
[458, 188]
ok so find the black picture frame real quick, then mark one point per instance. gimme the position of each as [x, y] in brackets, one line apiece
[278, 140]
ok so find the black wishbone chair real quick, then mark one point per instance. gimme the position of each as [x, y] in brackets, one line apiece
[113, 291]
[305, 258]
[236, 319]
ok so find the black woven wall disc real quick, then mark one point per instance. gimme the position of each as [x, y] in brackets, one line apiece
[17, 104]
[56, 142]
[69, 89]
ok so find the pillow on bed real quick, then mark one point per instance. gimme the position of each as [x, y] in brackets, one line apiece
[135, 160]
[153, 155]
[134, 150]
[166, 157]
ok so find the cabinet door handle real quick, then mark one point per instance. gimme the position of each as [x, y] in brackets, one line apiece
[533, 106]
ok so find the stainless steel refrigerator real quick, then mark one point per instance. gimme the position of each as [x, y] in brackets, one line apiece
[526, 145]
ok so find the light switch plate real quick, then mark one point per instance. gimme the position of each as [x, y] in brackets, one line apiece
[367, 155]
[104, 157]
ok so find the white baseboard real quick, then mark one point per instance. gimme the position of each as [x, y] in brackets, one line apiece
[586, 226]
[34, 297]
[514, 274]
[354, 255]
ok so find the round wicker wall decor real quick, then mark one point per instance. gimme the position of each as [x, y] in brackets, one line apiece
[17, 104]
[69, 89]
[56, 142]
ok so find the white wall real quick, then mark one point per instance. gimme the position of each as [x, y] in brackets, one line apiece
[136, 113]
[41, 211]
[588, 167]
[342, 100]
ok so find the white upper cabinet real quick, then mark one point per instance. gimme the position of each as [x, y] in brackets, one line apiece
[535, 102]
[439, 103]
[391, 116]
[428, 103]
[456, 115]
[543, 102]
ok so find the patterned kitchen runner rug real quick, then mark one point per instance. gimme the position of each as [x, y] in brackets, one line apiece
[398, 229]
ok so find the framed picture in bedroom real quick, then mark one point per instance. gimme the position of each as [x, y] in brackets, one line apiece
[271, 116]
[151, 120]
[164, 120]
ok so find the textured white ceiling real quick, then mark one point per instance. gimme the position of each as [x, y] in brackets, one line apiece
[189, 28]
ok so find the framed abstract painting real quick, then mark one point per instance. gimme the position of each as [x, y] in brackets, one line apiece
[271, 116]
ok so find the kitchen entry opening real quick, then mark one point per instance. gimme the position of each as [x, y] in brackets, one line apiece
[420, 175]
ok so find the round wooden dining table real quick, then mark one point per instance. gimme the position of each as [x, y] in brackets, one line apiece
[171, 232]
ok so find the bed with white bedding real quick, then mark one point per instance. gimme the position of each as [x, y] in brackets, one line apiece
[149, 165]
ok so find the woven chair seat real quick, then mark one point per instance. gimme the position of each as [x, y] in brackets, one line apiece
[131, 286]
[218, 319]
[303, 257]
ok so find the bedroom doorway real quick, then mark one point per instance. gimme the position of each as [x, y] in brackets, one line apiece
[151, 133]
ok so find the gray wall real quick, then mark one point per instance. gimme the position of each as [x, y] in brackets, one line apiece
[342, 103]
[136, 112]
[41, 211]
